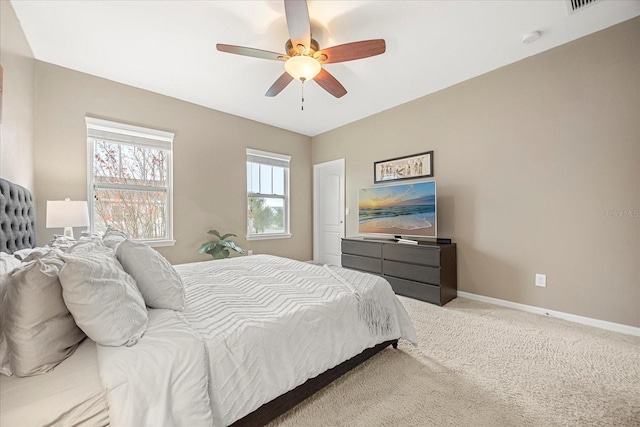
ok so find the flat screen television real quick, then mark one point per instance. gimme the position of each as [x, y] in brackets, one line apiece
[405, 210]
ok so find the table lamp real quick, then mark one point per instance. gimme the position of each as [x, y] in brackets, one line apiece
[68, 214]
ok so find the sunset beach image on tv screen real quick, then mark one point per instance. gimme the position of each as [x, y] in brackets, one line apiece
[399, 210]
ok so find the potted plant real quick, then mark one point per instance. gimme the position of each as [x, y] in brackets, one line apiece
[219, 249]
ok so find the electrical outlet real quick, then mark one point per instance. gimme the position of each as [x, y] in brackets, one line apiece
[249, 252]
[347, 211]
[541, 280]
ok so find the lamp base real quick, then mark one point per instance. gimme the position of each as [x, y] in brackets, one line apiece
[68, 232]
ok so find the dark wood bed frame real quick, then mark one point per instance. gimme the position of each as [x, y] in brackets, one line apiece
[278, 406]
[17, 231]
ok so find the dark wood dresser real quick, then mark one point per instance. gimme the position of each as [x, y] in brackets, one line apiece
[427, 271]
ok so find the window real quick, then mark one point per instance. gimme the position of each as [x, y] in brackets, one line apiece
[130, 180]
[267, 195]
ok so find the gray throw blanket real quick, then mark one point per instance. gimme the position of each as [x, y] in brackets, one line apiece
[377, 317]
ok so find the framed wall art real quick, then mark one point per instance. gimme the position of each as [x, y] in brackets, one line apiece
[407, 167]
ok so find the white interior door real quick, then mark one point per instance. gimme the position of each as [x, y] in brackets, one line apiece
[328, 211]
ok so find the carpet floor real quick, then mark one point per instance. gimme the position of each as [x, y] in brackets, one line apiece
[479, 365]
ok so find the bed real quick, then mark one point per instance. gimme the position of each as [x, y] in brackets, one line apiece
[256, 336]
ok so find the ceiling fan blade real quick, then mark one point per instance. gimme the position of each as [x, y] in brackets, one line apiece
[279, 84]
[249, 51]
[298, 22]
[351, 51]
[330, 84]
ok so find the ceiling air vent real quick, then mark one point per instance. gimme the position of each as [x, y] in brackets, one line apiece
[574, 6]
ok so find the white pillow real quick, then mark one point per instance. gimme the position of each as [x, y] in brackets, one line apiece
[8, 263]
[113, 237]
[22, 254]
[61, 242]
[38, 327]
[39, 253]
[102, 298]
[65, 243]
[158, 281]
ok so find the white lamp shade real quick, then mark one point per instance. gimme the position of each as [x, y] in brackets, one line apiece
[302, 67]
[67, 213]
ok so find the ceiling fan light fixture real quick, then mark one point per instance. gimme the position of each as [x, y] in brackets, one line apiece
[302, 67]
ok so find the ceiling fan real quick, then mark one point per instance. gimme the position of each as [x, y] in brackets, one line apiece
[304, 59]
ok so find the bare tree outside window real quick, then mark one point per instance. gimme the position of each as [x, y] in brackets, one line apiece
[130, 179]
[140, 213]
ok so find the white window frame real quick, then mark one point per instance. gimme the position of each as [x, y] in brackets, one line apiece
[272, 159]
[122, 133]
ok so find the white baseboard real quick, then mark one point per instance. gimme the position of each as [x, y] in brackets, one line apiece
[602, 324]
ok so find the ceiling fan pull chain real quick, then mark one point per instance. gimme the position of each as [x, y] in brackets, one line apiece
[302, 79]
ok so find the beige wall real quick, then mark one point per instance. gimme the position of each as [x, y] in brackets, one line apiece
[209, 159]
[538, 165]
[16, 128]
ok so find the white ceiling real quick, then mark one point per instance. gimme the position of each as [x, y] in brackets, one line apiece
[168, 47]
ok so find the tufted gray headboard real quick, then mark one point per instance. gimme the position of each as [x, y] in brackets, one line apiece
[17, 218]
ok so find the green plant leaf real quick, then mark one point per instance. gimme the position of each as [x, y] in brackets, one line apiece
[231, 245]
[219, 249]
[214, 250]
[215, 233]
[220, 254]
[206, 247]
[236, 248]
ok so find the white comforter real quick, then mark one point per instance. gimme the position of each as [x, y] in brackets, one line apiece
[253, 328]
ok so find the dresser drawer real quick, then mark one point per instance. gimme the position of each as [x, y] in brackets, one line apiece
[413, 272]
[421, 291]
[370, 249]
[413, 254]
[371, 265]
